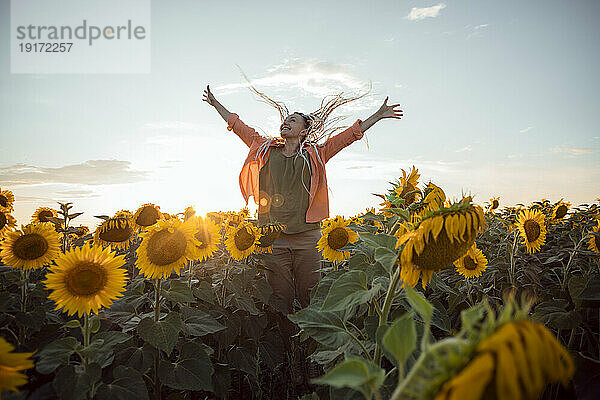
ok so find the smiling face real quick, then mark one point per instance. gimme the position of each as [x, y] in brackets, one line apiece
[293, 126]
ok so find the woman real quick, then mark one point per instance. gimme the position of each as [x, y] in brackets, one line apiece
[286, 177]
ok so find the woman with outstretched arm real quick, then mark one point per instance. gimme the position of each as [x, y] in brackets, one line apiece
[286, 176]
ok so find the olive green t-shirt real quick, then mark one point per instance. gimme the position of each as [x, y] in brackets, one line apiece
[283, 196]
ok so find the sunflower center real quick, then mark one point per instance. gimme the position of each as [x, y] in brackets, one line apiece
[165, 248]
[30, 246]
[561, 211]
[3, 220]
[3, 201]
[148, 216]
[337, 238]
[597, 241]
[269, 238]
[469, 263]
[43, 215]
[86, 279]
[532, 230]
[494, 204]
[441, 253]
[243, 239]
[116, 234]
[203, 237]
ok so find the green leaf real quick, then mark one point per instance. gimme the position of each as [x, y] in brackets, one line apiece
[379, 240]
[348, 290]
[555, 316]
[74, 323]
[355, 373]
[401, 338]
[162, 334]
[323, 326]
[199, 323]
[94, 324]
[127, 384]
[471, 317]
[55, 354]
[386, 257]
[192, 370]
[590, 295]
[179, 292]
[74, 382]
[419, 304]
[204, 291]
[139, 358]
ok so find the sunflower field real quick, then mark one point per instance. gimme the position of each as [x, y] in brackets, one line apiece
[421, 297]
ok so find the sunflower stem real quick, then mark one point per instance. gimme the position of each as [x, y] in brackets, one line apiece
[24, 283]
[157, 388]
[157, 299]
[391, 293]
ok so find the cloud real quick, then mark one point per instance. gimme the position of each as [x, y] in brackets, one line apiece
[573, 151]
[466, 148]
[77, 194]
[526, 129]
[417, 14]
[91, 172]
[476, 31]
[313, 77]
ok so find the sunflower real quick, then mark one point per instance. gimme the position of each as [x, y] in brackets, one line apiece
[82, 230]
[434, 198]
[123, 214]
[438, 240]
[532, 229]
[32, 247]
[189, 213]
[242, 240]
[117, 232]
[166, 246]
[494, 203]
[472, 264]
[336, 235]
[235, 219]
[216, 217]
[7, 200]
[41, 214]
[514, 362]
[268, 235]
[147, 215]
[207, 234]
[594, 240]
[560, 210]
[10, 365]
[7, 223]
[408, 183]
[86, 279]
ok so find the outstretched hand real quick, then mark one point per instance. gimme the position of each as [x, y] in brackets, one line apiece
[208, 96]
[386, 111]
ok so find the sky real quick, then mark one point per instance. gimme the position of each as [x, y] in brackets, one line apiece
[499, 99]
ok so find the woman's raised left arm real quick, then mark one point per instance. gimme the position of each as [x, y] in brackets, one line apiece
[384, 111]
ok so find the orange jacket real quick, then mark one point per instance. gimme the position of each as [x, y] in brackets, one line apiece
[318, 203]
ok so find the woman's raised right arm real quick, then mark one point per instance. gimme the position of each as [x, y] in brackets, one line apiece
[210, 99]
[246, 133]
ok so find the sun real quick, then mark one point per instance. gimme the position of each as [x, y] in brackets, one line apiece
[32, 247]
[86, 279]
[334, 236]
